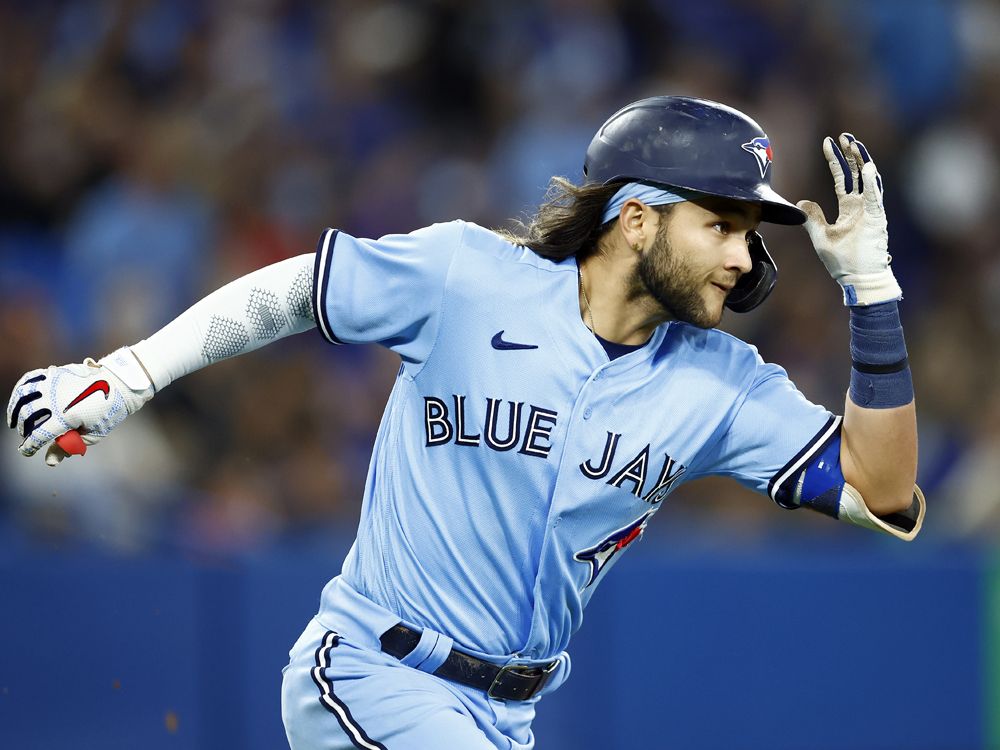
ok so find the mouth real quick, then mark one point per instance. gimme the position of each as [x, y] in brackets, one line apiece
[726, 289]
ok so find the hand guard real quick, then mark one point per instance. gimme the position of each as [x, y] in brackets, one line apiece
[92, 398]
[855, 250]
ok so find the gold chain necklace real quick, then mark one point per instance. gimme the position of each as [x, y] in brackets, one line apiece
[586, 301]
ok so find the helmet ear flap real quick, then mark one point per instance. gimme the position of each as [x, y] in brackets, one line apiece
[753, 287]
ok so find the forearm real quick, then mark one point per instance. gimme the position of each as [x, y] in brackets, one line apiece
[254, 310]
[879, 434]
[879, 455]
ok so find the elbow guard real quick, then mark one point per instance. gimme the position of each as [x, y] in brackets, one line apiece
[818, 484]
[905, 525]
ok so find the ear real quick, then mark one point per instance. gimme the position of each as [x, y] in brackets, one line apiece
[638, 223]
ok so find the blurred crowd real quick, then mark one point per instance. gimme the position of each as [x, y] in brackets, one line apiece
[151, 150]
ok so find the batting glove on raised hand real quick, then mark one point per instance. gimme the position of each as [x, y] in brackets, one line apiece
[855, 250]
[92, 398]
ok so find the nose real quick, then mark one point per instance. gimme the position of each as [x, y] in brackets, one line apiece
[738, 255]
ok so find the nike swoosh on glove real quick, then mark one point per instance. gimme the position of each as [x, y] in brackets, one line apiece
[92, 398]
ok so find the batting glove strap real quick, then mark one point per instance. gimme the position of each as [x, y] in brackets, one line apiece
[136, 386]
[870, 288]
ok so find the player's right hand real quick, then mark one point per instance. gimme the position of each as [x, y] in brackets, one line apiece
[92, 398]
[854, 249]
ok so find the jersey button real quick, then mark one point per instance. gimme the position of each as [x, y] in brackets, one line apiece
[587, 412]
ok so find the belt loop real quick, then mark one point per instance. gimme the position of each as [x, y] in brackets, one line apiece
[437, 655]
[423, 649]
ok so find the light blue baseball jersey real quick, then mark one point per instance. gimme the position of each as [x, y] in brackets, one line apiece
[514, 462]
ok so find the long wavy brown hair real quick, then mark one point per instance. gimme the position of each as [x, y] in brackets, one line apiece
[568, 222]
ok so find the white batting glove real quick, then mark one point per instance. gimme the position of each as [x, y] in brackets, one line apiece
[92, 398]
[855, 250]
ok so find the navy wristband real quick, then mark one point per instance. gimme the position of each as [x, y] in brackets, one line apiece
[880, 375]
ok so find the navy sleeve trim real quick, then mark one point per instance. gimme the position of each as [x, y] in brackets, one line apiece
[801, 458]
[321, 279]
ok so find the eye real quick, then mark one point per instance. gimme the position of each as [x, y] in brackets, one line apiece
[722, 227]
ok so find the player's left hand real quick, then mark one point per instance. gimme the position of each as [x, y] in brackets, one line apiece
[855, 249]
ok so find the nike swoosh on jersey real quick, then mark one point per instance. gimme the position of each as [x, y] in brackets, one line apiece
[497, 342]
[95, 387]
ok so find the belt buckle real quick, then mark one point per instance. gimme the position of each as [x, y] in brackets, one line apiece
[546, 673]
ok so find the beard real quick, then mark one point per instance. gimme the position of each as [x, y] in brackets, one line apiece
[672, 284]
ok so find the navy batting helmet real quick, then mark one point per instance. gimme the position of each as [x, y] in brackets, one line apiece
[699, 145]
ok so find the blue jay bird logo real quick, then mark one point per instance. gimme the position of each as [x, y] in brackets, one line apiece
[761, 149]
[601, 553]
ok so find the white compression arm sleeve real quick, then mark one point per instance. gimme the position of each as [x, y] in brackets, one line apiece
[246, 314]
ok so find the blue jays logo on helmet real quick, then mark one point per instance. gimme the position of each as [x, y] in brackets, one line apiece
[601, 553]
[760, 147]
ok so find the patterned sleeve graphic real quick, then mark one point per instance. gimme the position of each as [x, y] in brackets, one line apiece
[265, 317]
[299, 297]
[264, 314]
[225, 338]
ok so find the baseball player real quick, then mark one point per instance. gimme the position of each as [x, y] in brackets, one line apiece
[554, 389]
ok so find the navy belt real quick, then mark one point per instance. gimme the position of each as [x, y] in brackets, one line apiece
[510, 683]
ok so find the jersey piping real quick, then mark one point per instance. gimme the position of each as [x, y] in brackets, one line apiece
[324, 256]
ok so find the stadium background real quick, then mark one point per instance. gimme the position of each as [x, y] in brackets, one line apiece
[152, 150]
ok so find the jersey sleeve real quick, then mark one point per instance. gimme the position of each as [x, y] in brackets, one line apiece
[775, 431]
[387, 291]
